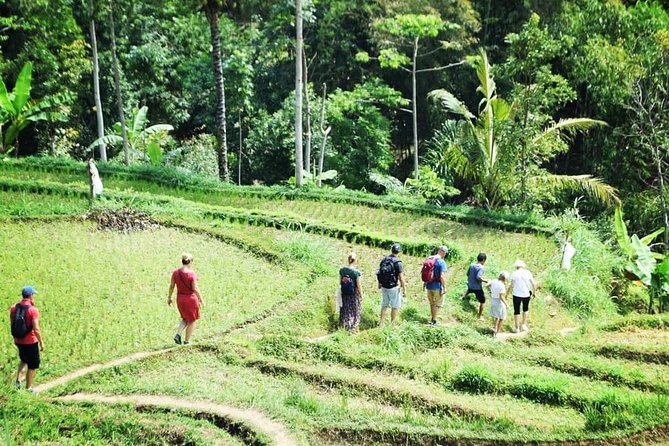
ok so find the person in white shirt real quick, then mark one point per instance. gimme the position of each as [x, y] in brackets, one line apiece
[498, 305]
[523, 288]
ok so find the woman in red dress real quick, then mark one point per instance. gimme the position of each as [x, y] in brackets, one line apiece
[189, 299]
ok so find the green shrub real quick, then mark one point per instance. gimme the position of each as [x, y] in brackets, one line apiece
[475, 379]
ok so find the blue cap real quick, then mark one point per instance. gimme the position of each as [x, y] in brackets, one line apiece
[396, 248]
[28, 291]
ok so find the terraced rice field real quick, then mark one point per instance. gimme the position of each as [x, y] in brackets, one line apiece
[269, 365]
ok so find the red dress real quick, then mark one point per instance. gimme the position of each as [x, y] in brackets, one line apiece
[187, 302]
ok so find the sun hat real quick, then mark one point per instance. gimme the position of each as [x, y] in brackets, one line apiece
[352, 256]
[504, 274]
[396, 248]
[28, 291]
[520, 264]
[443, 249]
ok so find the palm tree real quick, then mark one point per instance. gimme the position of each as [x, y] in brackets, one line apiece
[212, 9]
[470, 146]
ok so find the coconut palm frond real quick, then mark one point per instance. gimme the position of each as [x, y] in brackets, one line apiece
[568, 127]
[450, 103]
[593, 187]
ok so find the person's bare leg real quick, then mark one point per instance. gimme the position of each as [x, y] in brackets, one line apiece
[19, 372]
[498, 325]
[383, 315]
[30, 376]
[525, 314]
[393, 315]
[515, 320]
[189, 330]
[480, 311]
[434, 312]
[181, 326]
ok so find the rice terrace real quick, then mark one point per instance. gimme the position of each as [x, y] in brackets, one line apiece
[268, 365]
[334, 222]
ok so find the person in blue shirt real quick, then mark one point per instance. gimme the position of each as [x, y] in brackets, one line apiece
[475, 281]
[436, 288]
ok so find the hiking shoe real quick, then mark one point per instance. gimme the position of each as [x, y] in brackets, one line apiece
[17, 384]
[524, 328]
[177, 338]
[186, 342]
[515, 330]
[482, 318]
[33, 391]
[434, 323]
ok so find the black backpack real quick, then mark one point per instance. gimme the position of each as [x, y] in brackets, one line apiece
[347, 285]
[387, 274]
[20, 327]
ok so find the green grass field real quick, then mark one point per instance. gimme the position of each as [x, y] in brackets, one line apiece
[269, 362]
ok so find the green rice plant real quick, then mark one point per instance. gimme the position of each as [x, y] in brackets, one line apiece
[475, 379]
[303, 402]
[583, 296]
[310, 251]
[441, 372]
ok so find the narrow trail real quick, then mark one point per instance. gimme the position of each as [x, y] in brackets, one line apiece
[97, 367]
[253, 418]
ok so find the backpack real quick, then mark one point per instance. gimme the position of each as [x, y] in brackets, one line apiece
[387, 274]
[427, 272]
[20, 327]
[347, 285]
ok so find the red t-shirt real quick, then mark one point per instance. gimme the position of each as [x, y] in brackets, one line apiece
[31, 316]
[184, 281]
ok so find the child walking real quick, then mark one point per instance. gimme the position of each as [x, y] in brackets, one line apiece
[499, 305]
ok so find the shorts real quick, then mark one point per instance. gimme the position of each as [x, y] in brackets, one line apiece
[480, 295]
[436, 298]
[391, 297]
[516, 304]
[29, 353]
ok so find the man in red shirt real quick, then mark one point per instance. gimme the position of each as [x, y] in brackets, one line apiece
[29, 345]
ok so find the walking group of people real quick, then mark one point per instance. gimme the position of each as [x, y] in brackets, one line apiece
[24, 316]
[392, 285]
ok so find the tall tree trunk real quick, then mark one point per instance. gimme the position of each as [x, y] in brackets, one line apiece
[241, 140]
[96, 83]
[324, 137]
[415, 108]
[117, 86]
[307, 109]
[212, 12]
[523, 151]
[663, 199]
[298, 93]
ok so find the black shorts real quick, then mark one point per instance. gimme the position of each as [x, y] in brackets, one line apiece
[30, 355]
[516, 304]
[480, 295]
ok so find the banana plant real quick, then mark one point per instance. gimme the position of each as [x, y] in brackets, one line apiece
[19, 111]
[144, 141]
[644, 267]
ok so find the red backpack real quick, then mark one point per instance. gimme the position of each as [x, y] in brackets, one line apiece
[427, 272]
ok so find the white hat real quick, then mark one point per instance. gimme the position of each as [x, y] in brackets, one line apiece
[520, 264]
[504, 274]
